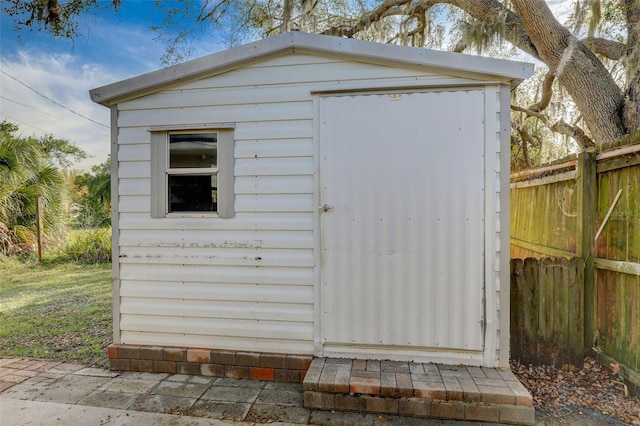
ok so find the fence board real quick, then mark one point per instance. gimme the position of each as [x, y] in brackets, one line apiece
[576, 312]
[618, 318]
[518, 309]
[543, 295]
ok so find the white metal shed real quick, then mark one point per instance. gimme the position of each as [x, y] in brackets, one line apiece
[307, 194]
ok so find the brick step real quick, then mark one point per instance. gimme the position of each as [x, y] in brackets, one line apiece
[418, 390]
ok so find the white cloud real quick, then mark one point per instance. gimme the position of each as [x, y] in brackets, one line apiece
[64, 79]
[110, 48]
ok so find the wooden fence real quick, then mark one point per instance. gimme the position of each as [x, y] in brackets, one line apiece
[589, 207]
[547, 323]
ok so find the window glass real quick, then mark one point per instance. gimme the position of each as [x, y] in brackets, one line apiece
[193, 150]
[192, 172]
[189, 193]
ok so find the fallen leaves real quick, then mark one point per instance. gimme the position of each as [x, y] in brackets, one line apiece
[559, 393]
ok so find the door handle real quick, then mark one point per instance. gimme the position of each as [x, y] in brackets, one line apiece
[325, 207]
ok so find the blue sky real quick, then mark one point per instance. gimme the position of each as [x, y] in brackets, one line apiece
[110, 47]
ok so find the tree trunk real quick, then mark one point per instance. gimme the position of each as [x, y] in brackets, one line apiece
[631, 112]
[588, 82]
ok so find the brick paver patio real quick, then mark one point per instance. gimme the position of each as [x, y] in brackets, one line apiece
[419, 390]
[17, 370]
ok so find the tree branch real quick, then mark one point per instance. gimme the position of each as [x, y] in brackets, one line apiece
[547, 92]
[561, 127]
[531, 113]
[607, 48]
[366, 20]
[526, 139]
[579, 70]
[575, 132]
[482, 10]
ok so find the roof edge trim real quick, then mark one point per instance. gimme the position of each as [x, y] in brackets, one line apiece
[147, 83]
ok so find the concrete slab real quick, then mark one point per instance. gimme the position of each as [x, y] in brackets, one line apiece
[130, 386]
[162, 403]
[231, 394]
[70, 389]
[188, 390]
[66, 368]
[281, 397]
[23, 391]
[284, 386]
[183, 378]
[109, 399]
[240, 383]
[268, 413]
[219, 410]
[152, 377]
[96, 372]
[22, 413]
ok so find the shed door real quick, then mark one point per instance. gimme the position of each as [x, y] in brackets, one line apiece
[402, 237]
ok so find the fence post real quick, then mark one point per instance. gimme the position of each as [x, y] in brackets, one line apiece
[585, 248]
[39, 213]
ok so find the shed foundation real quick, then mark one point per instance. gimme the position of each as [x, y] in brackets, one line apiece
[452, 392]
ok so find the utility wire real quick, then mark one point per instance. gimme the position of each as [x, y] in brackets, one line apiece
[28, 106]
[20, 121]
[102, 151]
[51, 100]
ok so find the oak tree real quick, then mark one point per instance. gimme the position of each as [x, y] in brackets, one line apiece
[598, 70]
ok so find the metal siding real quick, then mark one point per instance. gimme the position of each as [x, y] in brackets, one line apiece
[289, 258]
[268, 130]
[493, 160]
[227, 310]
[263, 258]
[133, 203]
[216, 238]
[222, 114]
[279, 221]
[503, 228]
[137, 152]
[303, 72]
[134, 169]
[403, 245]
[224, 274]
[235, 327]
[135, 186]
[217, 292]
[273, 149]
[115, 232]
[263, 185]
[237, 343]
[274, 202]
[289, 166]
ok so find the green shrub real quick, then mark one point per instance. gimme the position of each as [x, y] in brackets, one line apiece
[89, 246]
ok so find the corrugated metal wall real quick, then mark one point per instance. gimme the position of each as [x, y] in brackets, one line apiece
[247, 282]
[403, 245]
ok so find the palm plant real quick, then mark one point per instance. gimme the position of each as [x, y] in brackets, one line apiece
[25, 174]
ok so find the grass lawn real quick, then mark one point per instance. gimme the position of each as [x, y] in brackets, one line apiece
[60, 311]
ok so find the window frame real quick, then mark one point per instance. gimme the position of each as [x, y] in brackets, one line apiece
[160, 170]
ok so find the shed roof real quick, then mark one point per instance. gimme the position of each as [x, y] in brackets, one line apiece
[456, 64]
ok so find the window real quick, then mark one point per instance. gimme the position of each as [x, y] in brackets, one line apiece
[192, 172]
